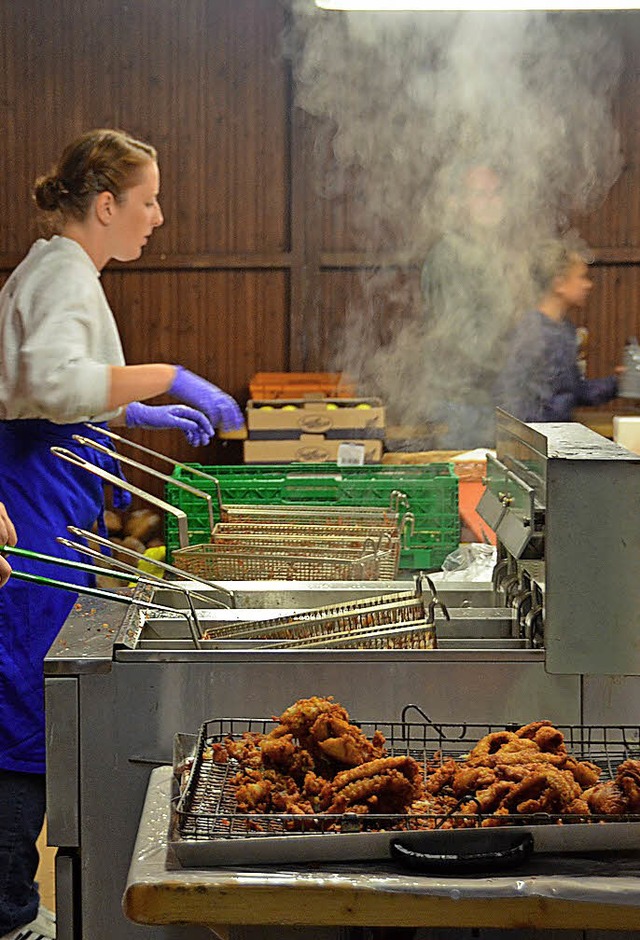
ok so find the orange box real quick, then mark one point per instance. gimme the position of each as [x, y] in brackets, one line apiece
[301, 385]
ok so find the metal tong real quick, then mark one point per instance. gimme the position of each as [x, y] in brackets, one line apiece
[163, 565]
[181, 516]
[191, 617]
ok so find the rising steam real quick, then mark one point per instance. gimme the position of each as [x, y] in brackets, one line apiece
[409, 106]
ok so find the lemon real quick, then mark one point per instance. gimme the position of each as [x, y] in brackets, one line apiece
[332, 406]
[363, 405]
[266, 407]
[289, 408]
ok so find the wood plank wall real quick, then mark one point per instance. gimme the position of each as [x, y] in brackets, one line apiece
[250, 271]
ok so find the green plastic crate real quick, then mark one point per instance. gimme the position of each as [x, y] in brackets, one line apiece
[431, 490]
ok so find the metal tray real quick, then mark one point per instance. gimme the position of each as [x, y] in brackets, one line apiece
[207, 831]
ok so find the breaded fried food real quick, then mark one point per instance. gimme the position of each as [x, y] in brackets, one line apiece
[605, 799]
[628, 779]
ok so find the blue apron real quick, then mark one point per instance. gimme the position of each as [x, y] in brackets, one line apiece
[43, 495]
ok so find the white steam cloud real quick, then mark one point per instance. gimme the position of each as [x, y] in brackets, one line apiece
[464, 140]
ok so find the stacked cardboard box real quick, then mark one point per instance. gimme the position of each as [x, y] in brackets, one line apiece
[314, 430]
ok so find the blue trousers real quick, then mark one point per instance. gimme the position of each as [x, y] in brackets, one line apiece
[22, 806]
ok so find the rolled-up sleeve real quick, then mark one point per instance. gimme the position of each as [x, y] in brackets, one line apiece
[59, 341]
[58, 369]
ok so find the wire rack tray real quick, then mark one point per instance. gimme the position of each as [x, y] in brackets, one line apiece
[419, 635]
[206, 807]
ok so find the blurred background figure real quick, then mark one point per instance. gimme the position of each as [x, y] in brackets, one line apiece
[542, 379]
[473, 282]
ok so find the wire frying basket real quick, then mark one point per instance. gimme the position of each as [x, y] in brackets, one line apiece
[340, 623]
[220, 561]
[385, 541]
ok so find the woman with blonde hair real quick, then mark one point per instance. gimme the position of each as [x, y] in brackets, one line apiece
[61, 364]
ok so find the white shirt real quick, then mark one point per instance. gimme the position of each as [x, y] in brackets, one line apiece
[58, 337]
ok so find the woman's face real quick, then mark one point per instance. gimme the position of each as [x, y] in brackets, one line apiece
[136, 215]
[575, 286]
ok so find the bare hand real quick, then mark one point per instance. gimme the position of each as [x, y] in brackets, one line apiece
[7, 537]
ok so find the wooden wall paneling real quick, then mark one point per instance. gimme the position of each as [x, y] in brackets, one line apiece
[225, 325]
[304, 307]
[201, 79]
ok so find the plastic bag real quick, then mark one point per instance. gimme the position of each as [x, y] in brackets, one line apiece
[470, 562]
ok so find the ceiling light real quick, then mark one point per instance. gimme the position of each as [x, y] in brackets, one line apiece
[477, 5]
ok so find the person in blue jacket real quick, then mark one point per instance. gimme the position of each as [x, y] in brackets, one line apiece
[541, 379]
[62, 364]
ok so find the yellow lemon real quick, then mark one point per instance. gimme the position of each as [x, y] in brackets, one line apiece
[289, 408]
[363, 404]
[266, 407]
[332, 406]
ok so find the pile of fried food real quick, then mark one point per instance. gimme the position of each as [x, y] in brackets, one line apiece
[315, 761]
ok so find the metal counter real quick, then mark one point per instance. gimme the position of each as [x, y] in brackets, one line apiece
[112, 714]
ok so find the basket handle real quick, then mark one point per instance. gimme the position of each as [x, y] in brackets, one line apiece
[89, 442]
[471, 851]
[78, 461]
[194, 471]
[407, 528]
[171, 569]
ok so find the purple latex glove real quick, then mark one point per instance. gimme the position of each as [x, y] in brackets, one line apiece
[219, 407]
[195, 425]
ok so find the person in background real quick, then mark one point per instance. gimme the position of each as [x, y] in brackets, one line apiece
[472, 280]
[7, 537]
[61, 364]
[542, 379]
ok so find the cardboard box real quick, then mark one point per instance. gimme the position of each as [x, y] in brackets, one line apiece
[301, 385]
[626, 432]
[309, 448]
[333, 418]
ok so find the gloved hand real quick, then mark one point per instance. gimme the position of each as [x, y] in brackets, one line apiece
[195, 425]
[219, 407]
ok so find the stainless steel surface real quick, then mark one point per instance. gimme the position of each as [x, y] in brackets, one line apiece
[132, 701]
[629, 381]
[583, 555]
[63, 771]
[577, 566]
[64, 873]
[593, 545]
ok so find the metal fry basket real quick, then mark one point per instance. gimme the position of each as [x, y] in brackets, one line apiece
[220, 561]
[384, 541]
[356, 620]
